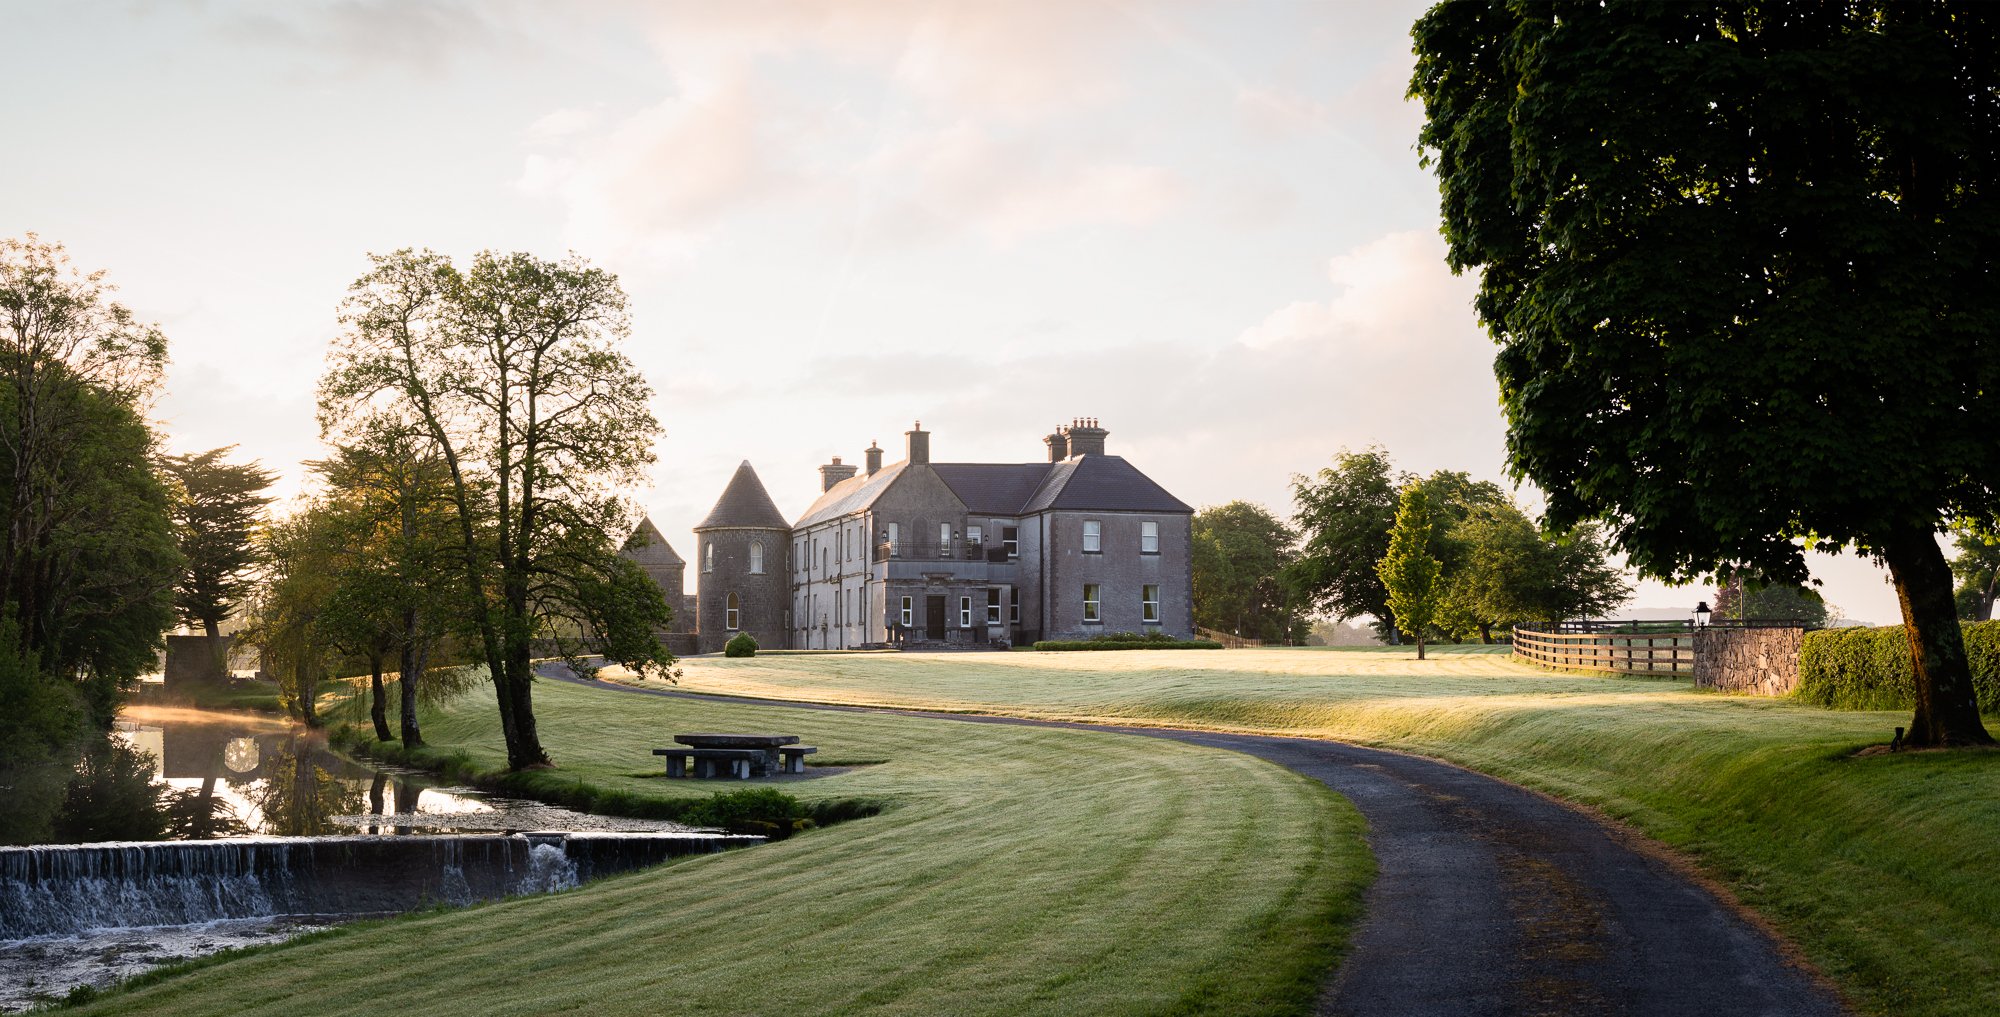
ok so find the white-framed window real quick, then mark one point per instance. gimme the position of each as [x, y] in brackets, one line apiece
[1010, 540]
[993, 605]
[965, 612]
[1091, 594]
[1014, 611]
[707, 557]
[895, 542]
[909, 614]
[1093, 536]
[729, 613]
[944, 539]
[756, 557]
[974, 536]
[1149, 604]
[1149, 537]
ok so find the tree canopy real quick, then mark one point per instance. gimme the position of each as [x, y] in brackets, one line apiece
[216, 510]
[1240, 553]
[1409, 571]
[511, 370]
[1738, 259]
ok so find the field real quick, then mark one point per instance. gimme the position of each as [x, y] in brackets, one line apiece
[1880, 867]
[1015, 871]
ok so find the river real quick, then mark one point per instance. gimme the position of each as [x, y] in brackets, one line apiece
[281, 835]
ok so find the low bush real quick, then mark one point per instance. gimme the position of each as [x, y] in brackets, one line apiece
[742, 645]
[1870, 669]
[1125, 641]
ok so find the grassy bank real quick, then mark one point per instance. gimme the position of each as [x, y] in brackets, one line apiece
[1880, 867]
[1014, 871]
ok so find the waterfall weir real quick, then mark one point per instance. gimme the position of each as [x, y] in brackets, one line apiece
[72, 888]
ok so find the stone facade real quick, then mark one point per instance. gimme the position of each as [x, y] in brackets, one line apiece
[1762, 662]
[740, 555]
[946, 554]
[918, 553]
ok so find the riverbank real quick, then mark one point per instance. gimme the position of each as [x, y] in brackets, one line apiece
[1013, 871]
[1879, 867]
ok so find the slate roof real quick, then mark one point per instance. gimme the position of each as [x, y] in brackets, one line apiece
[998, 489]
[1083, 483]
[1103, 483]
[648, 546]
[850, 495]
[744, 504]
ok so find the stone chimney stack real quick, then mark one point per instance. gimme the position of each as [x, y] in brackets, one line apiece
[920, 444]
[833, 473]
[1058, 443]
[874, 455]
[1086, 438]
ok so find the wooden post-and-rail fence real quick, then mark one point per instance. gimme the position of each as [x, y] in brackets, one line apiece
[1645, 648]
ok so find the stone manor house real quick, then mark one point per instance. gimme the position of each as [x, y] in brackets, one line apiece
[924, 554]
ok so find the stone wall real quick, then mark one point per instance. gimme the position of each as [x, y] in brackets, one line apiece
[193, 660]
[1763, 662]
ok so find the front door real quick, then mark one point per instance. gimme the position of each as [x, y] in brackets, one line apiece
[934, 618]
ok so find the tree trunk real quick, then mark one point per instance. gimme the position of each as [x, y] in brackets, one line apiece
[218, 658]
[1420, 646]
[413, 670]
[1486, 633]
[378, 704]
[1947, 708]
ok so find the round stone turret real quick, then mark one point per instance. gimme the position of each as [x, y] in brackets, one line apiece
[740, 556]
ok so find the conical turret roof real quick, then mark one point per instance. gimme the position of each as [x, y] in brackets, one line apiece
[744, 504]
[648, 546]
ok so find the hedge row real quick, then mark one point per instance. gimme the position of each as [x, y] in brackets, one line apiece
[1870, 669]
[1128, 644]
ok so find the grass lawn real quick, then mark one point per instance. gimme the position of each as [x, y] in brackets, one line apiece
[1014, 871]
[1885, 869]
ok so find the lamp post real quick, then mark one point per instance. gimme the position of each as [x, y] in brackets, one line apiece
[1701, 613]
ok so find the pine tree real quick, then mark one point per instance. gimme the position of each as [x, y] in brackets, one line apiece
[1408, 571]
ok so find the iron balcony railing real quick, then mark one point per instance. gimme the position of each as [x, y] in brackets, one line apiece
[953, 550]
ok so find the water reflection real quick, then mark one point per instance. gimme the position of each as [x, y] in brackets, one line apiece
[183, 774]
[252, 774]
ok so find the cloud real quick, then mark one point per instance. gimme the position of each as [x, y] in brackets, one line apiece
[649, 182]
[1007, 189]
[1395, 295]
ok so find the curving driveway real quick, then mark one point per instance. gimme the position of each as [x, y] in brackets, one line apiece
[1491, 899]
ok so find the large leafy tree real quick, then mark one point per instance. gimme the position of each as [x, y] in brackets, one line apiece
[1240, 552]
[397, 594]
[1739, 260]
[511, 370]
[1343, 514]
[1511, 571]
[1746, 596]
[1977, 567]
[216, 512]
[87, 558]
[1409, 571]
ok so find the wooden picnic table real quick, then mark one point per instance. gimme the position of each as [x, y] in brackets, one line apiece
[767, 746]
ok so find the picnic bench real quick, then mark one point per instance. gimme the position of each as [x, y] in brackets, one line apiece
[747, 755]
[708, 761]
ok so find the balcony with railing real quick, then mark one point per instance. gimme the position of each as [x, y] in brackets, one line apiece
[951, 550]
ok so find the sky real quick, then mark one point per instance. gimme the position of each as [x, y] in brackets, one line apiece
[1203, 224]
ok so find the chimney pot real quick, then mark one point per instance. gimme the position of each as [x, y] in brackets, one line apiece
[1086, 438]
[833, 473]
